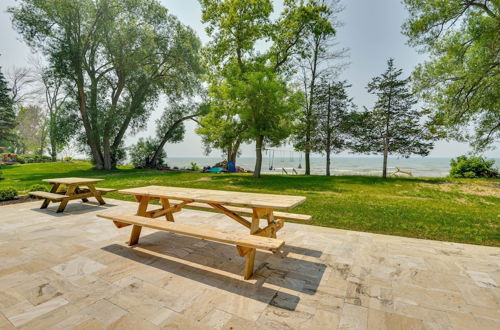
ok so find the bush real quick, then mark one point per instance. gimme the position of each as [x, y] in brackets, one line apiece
[34, 158]
[7, 194]
[68, 159]
[21, 159]
[38, 187]
[194, 167]
[142, 152]
[472, 167]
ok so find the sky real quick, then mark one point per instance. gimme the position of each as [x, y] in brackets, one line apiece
[371, 32]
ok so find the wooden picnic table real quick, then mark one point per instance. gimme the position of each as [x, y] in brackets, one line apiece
[76, 188]
[230, 203]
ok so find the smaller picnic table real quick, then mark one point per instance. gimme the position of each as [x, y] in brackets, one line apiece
[76, 188]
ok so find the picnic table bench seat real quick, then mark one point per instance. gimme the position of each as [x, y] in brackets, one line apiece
[251, 242]
[243, 210]
[101, 190]
[48, 195]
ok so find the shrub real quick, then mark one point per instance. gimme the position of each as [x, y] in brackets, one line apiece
[21, 159]
[142, 152]
[7, 194]
[472, 167]
[68, 159]
[38, 187]
[194, 167]
[35, 158]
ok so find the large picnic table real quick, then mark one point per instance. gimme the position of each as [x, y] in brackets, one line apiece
[230, 203]
[75, 188]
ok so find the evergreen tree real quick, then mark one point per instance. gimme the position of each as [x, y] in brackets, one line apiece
[393, 126]
[333, 110]
[7, 114]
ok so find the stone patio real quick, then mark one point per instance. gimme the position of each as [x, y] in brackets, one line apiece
[73, 270]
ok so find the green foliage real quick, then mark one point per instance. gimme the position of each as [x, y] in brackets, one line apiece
[143, 151]
[31, 129]
[7, 194]
[7, 114]
[445, 209]
[393, 126]
[68, 159]
[461, 80]
[38, 187]
[473, 167]
[332, 118]
[33, 158]
[194, 167]
[248, 89]
[116, 58]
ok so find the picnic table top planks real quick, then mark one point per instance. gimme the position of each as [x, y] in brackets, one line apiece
[72, 180]
[257, 200]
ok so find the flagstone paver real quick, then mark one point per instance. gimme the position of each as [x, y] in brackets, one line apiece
[74, 270]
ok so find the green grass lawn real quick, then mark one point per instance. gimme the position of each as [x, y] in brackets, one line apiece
[455, 210]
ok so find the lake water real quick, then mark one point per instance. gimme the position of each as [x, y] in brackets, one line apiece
[424, 167]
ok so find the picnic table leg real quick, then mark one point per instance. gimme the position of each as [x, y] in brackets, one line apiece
[64, 202]
[141, 211]
[97, 194]
[53, 190]
[249, 264]
[166, 205]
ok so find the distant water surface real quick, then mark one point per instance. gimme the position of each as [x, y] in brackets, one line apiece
[423, 167]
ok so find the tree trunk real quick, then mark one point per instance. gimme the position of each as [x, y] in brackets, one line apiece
[328, 163]
[308, 162]
[108, 159]
[164, 140]
[311, 107]
[53, 142]
[384, 171]
[258, 156]
[94, 148]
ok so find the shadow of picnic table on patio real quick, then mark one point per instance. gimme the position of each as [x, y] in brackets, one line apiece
[218, 265]
[73, 208]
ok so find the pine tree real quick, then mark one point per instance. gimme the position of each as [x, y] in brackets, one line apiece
[393, 126]
[7, 114]
[332, 116]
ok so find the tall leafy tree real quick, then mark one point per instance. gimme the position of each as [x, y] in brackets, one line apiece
[31, 129]
[7, 114]
[170, 127]
[392, 126]
[247, 76]
[461, 80]
[116, 58]
[333, 117]
[320, 58]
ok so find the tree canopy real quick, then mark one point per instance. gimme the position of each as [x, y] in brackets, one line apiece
[461, 80]
[333, 112]
[249, 89]
[116, 58]
[392, 126]
[7, 114]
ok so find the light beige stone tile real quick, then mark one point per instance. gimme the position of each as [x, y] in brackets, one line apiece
[131, 322]
[31, 312]
[77, 268]
[353, 317]
[379, 320]
[322, 319]
[105, 311]
[216, 319]
[162, 316]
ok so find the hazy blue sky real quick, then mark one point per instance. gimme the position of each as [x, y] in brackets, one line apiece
[371, 31]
